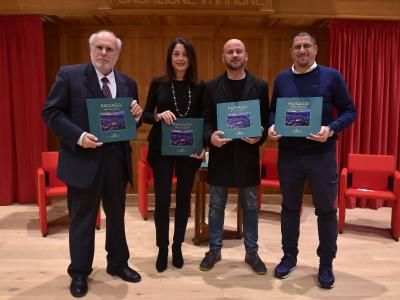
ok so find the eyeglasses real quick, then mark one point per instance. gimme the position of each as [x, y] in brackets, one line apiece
[305, 46]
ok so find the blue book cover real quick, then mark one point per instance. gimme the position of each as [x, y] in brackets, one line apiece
[239, 119]
[298, 116]
[184, 137]
[111, 120]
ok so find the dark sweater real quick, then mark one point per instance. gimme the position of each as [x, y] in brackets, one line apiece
[321, 82]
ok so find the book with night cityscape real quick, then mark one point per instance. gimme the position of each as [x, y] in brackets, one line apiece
[298, 116]
[239, 119]
[184, 137]
[111, 120]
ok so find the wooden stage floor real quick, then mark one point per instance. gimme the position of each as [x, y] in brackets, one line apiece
[33, 267]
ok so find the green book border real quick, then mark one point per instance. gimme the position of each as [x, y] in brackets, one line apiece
[102, 109]
[251, 107]
[285, 105]
[194, 124]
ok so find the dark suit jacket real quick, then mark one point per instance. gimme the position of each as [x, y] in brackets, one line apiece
[236, 164]
[65, 113]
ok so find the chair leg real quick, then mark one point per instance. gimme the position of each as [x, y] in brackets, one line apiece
[342, 213]
[190, 206]
[396, 221]
[239, 223]
[143, 204]
[142, 201]
[259, 192]
[43, 216]
[98, 221]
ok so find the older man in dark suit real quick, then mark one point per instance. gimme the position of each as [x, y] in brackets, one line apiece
[90, 169]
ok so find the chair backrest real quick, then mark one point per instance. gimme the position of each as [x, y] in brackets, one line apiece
[371, 171]
[270, 163]
[49, 165]
[143, 158]
[143, 154]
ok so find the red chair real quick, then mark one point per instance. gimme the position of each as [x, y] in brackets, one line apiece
[48, 186]
[371, 177]
[269, 171]
[145, 180]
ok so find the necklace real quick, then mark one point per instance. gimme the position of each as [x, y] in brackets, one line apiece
[176, 104]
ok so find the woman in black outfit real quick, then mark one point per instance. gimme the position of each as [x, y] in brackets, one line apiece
[178, 94]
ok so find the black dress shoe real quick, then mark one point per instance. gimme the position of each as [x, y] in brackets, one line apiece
[78, 287]
[127, 274]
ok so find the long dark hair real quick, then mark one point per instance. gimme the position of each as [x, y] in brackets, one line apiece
[191, 72]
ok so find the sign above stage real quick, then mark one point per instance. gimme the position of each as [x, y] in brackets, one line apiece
[255, 5]
[290, 12]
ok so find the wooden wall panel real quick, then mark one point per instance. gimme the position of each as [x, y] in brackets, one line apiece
[204, 53]
[139, 60]
[144, 49]
[279, 57]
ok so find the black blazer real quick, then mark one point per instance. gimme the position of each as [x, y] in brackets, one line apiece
[236, 164]
[159, 99]
[65, 113]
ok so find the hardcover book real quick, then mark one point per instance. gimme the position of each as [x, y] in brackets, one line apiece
[184, 137]
[111, 120]
[298, 116]
[239, 119]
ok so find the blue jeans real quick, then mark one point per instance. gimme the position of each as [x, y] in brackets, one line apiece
[216, 215]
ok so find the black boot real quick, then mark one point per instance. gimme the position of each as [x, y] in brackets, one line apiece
[162, 259]
[177, 258]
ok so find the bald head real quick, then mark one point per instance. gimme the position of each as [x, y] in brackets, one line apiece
[233, 43]
[234, 55]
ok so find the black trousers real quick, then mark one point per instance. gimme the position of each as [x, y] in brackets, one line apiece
[163, 170]
[83, 204]
[320, 171]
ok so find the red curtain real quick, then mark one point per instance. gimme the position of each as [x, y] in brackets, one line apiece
[22, 94]
[367, 53]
